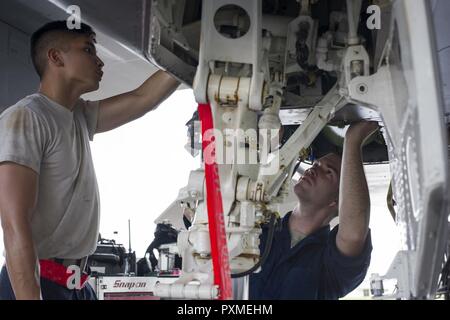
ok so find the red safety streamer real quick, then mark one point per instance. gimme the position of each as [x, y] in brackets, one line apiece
[217, 235]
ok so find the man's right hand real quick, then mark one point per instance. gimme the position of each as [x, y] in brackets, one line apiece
[359, 132]
[18, 198]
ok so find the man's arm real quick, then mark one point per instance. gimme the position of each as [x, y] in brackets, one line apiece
[354, 202]
[126, 107]
[18, 197]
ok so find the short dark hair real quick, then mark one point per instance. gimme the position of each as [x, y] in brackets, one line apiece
[51, 35]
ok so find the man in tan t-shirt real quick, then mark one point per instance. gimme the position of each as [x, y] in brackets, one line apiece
[49, 204]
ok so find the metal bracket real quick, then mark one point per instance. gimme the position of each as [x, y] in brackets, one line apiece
[216, 47]
[302, 138]
[393, 107]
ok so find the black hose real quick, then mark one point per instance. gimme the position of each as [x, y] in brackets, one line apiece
[265, 254]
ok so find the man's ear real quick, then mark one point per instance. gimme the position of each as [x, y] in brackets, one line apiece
[55, 57]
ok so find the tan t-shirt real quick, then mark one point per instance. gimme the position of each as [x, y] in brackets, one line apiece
[54, 142]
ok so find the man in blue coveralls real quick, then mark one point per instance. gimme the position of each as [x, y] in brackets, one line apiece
[307, 260]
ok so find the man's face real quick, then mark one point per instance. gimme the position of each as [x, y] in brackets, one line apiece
[81, 64]
[320, 184]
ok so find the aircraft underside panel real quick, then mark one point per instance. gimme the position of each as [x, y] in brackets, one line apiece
[418, 150]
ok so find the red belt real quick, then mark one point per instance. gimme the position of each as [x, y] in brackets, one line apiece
[66, 277]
